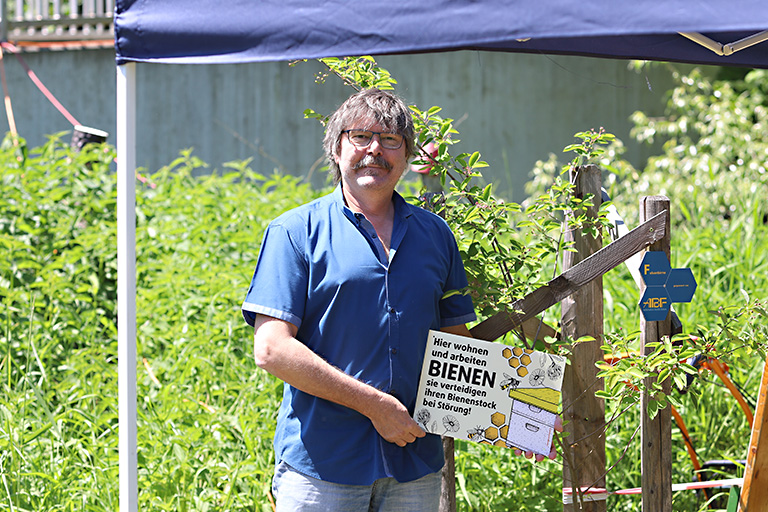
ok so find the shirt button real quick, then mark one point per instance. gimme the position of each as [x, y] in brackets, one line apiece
[392, 310]
[394, 351]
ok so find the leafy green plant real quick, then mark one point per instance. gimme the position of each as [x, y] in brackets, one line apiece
[710, 155]
[57, 288]
[206, 417]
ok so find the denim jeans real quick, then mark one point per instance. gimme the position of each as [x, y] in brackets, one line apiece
[296, 492]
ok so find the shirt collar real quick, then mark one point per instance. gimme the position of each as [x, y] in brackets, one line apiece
[402, 209]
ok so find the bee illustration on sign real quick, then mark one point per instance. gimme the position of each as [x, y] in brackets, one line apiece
[476, 434]
[509, 382]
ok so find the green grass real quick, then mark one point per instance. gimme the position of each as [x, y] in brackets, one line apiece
[205, 412]
[729, 261]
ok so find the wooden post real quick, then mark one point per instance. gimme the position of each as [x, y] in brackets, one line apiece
[656, 433]
[754, 493]
[582, 315]
[448, 487]
[448, 473]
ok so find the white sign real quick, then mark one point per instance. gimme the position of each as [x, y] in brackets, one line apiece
[489, 393]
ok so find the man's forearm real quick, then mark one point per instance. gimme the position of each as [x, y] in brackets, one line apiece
[291, 361]
[277, 351]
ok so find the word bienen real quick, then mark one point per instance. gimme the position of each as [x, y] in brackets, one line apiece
[453, 371]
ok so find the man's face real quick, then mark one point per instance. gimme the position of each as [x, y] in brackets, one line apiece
[370, 168]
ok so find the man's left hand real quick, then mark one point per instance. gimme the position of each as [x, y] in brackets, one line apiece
[553, 450]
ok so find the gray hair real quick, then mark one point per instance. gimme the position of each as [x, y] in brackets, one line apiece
[375, 107]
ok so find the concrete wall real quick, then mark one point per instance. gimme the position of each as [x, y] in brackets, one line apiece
[514, 108]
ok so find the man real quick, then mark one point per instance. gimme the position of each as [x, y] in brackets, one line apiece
[343, 295]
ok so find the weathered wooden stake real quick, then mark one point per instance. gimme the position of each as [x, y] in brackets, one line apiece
[656, 433]
[754, 493]
[448, 487]
[582, 315]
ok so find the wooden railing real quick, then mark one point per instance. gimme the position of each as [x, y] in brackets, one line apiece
[56, 20]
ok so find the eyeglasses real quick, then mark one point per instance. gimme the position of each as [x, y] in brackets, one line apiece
[362, 138]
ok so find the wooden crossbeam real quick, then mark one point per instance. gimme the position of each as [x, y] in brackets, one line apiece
[572, 279]
[535, 329]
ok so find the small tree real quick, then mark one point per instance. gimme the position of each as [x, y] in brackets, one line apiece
[510, 249]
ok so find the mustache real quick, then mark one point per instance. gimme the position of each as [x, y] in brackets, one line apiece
[369, 160]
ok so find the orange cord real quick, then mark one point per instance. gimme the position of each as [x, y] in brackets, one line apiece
[687, 440]
[717, 367]
[32, 76]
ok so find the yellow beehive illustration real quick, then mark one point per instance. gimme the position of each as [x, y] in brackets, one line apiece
[544, 398]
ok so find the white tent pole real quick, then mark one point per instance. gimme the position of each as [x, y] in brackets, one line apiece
[126, 284]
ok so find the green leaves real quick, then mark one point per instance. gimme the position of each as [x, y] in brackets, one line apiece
[360, 72]
[711, 157]
[311, 114]
[589, 149]
[205, 430]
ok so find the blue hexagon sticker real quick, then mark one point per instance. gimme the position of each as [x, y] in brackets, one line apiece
[655, 268]
[654, 304]
[680, 285]
[664, 285]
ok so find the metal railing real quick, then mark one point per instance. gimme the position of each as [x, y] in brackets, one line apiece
[56, 20]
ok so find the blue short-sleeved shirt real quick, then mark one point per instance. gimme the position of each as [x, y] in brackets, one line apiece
[365, 312]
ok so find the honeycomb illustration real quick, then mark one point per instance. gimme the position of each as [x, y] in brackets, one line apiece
[519, 359]
[534, 388]
[495, 435]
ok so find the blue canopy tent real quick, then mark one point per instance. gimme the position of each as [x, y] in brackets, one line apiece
[205, 32]
[202, 32]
